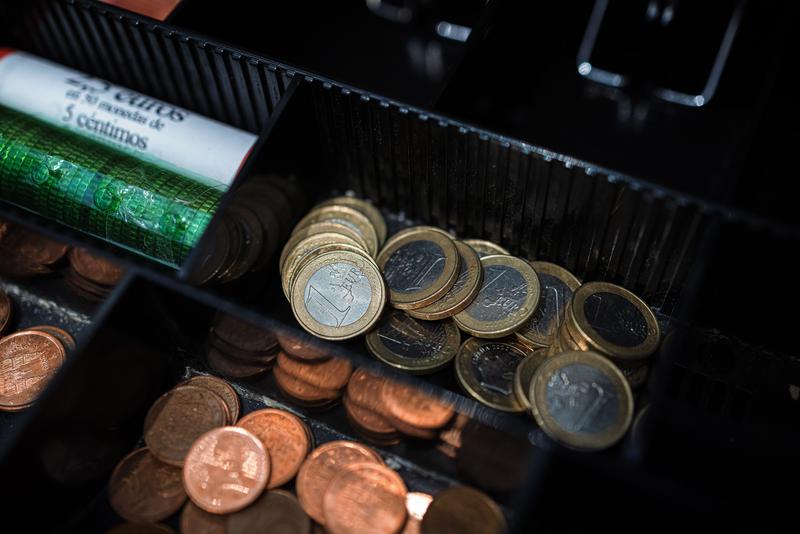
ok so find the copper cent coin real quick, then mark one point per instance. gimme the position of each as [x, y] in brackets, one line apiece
[464, 510]
[243, 334]
[63, 336]
[366, 498]
[329, 374]
[195, 520]
[144, 490]
[302, 390]
[28, 361]
[300, 349]
[95, 268]
[221, 388]
[321, 466]
[5, 311]
[407, 404]
[178, 418]
[226, 469]
[275, 512]
[286, 439]
[233, 368]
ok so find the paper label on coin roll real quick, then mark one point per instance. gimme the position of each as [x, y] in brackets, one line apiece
[122, 118]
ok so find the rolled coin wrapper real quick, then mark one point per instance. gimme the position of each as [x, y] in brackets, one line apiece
[152, 210]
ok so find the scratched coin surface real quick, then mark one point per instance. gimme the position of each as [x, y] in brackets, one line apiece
[198, 521]
[144, 490]
[275, 512]
[178, 418]
[485, 369]
[413, 345]
[309, 248]
[346, 216]
[464, 510]
[581, 400]
[557, 285]
[226, 469]
[406, 403]
[524, 375]
[221, 388]
[332, 373]
[508, 297]
[28, 361]
[364, 207]
[338, 295]
[420, 265]
[614, 322]
[321, 466]
[463, 292]
[286, 439]
[486, 248]
[365, 498]
[5, 311]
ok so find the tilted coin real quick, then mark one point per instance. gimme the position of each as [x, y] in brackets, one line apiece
[338, 295]
[303, 393]
[370, 425]
[26, 253]
[365, 497]
[409, 408]
[485, 369]
[415, 346]
[198, 521]
[143, 490]
[364, 207]
[486, 248]
[28, 361]
[347, 216]
[557, 285]
[508, 297]
[221, 388]
[301, 349]
[321, 466]
[178, 418]
[286, 439]
[310, 248]
[615, 322]
[60, 334]
[581, 400]
[332, 373]
[251, 243]
[463, 292]
[345, 233]
[212, 256]
[365, 408]
[275, 511]
[226, 469]
[5, 311]
[464, 510]
[235, 368]
[524, 374]
[420, 265]
[268, 223]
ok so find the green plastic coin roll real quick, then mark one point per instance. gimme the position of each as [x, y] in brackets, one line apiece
[154, 211]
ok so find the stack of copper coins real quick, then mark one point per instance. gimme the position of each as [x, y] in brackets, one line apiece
[311, 381]
[366, 411]
[237, 349]
[90, 276]
[24, 253]
[250, 230]
[29, 359]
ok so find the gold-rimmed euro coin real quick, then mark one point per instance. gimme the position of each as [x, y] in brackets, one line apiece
[524, 374]
[295, 263]
[557, 285]
[420, 265]
[614, 322]
[306, 247]
[581, 400]
[347, 216]
[463, 291]
[508, 297]
[485, 369]
[338, 295]
[486, 248]
[364, 207]
[320, 228]
[414, 346]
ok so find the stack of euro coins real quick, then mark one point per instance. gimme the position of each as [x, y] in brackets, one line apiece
[613, 322]
[257, 220]
[91, 276]
[328, 270]
[312, 383]
[237, 349]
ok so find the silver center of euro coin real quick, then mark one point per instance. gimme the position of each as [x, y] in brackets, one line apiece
[412, 339]
[582, 399]
[414, 266]
[549, 313]
[337, 295]
[502, 295]
[616, 319]
[494, 365]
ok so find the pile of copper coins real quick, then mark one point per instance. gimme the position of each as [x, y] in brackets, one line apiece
[250, 230]
[29, 359]
[236, 349]
[223, 473]
[24, 254]
[499, 318]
